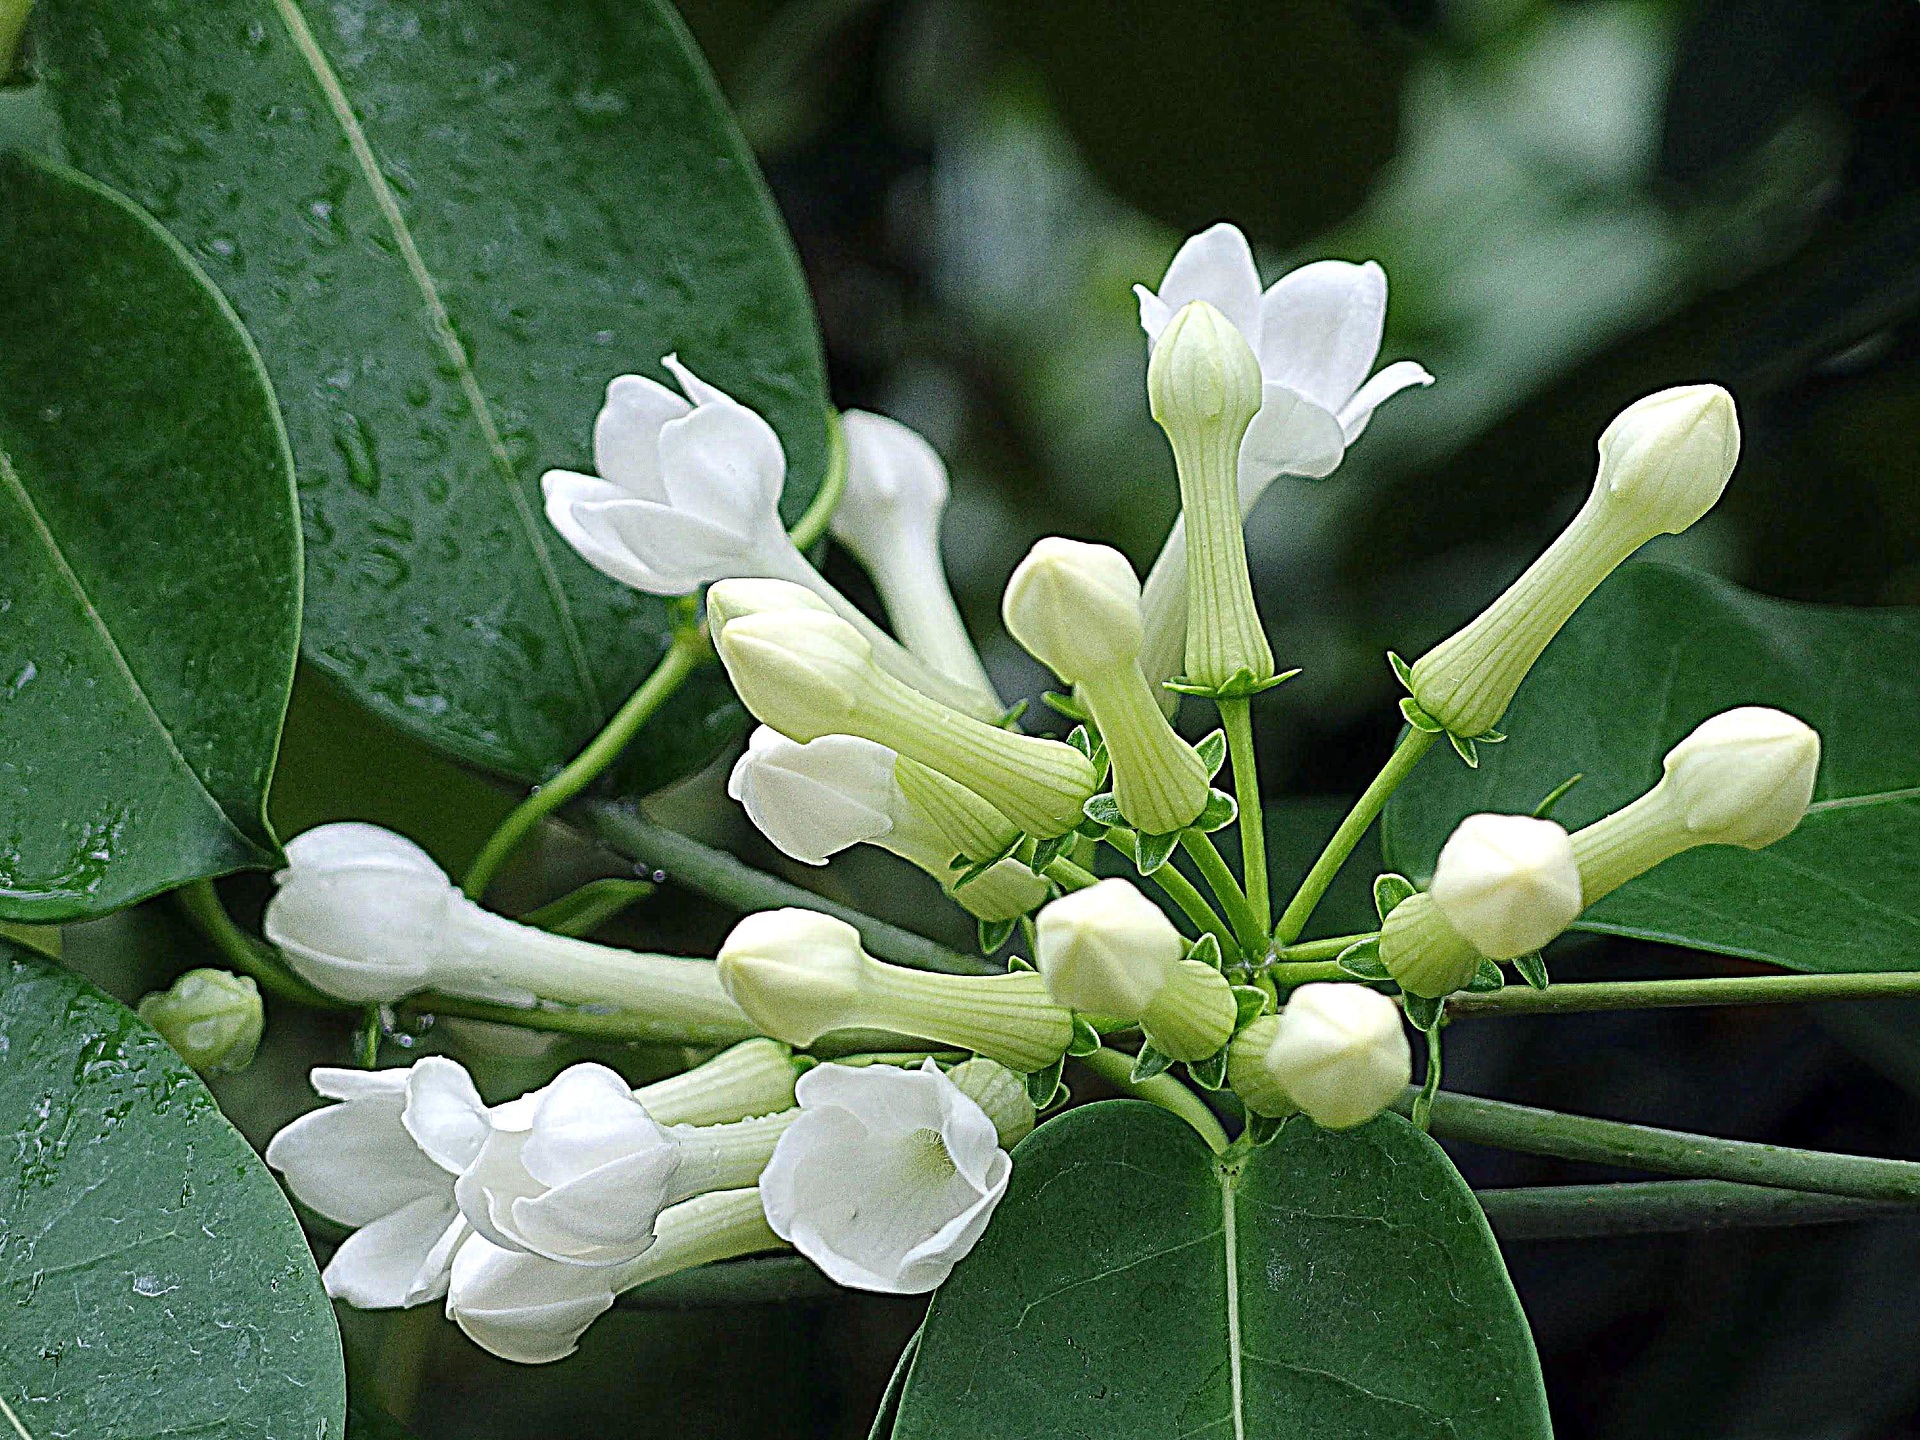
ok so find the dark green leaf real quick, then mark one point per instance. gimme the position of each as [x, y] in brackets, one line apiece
[449, 227]
[1297, 830]
[1042, 1084]
[149, 561]
[155, 1280]
[1654, 653]
[1332, 1286]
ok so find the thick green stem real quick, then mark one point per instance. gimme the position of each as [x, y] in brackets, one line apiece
[812, 524]
[1250, 930]
[1673, 1152]
[1116, 1068]
[1407, 754]
[1236, 717]
[246, 954]
[1327, 949]
[688, 651]
[719, 876]
[1291, 974]
[1673, 994]
[1669, 1207]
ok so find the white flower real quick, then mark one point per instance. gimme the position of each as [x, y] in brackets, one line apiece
[1507, 883]
[383, 1162]
[889, 517]
[1107, 950]
[1340, 1053]
[586, 1179]
[366, 915]
[888, 1177]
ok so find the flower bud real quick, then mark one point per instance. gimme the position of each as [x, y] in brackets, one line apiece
[889, 517]
[808, 674]
[736, 599]
[1248, 1075]
[1076, 608]
[212, 1017]
[1422, 950]
[1000, 1094]
[1339, 1052]
[1203, 385]
[800, 975]
[1107, 950]
[1664, 462]
[1743, 777]
[1507, 883]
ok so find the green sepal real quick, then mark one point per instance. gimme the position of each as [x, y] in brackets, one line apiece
[1212, 748]
[976, 868]
[1424, 1014]
[1418, 718]
[1149, 1063]
[1388, 891]
[1103, 810]
[1219, 812]
[1490, 737]
[1401, 669]
[1264, 1129]
[1088, 742]
[1238, 686]
[1092, 829]
[1206, 950]
[1362, 960]
[1064, 704]
[1013, 714]
[1061, 1095]
[1544, 810]
[1150, 852]
[1465, 750]
[1532, 969]
[1045, 852]
[1210, 1073]
[1486, 979]
[1085, 1040]
[1250, 1002]
[995, 933]
[1018, 962]
[1042, 1083]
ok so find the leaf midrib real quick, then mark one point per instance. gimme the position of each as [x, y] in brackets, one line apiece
[10, 481]
[1229, 1179]
[304, 40]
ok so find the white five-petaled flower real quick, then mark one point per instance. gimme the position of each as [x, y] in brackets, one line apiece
[888, 1177]
[383, 1162]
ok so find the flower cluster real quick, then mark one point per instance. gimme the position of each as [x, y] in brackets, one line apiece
[531, 1216]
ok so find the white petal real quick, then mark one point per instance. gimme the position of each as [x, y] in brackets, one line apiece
[1320, 329]
[1290, 436]
[675, 553]
[626, 434]
[587, 1118]
[927, 1265]
[430, 1280]
[812, 803]
[1400, 375]
[377, 1267]
[521, 1307]
[605, 1216]
[1215, 266]
[1154, 314]
[354, 1163]
[697, 390]
[579, 507]
[345, 844]
[338, 1082]
[444, 1113]
[972, 1143]
[486, 1189]
[724, 464]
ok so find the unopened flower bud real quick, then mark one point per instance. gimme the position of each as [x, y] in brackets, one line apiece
[889, 517]
[1337, 1051]
[1076, 608]
[1000, 1094]
[1507, 883]
[800, 975]
[809, 674]
[1203, 386]
[1744, 777]
[1107, 950]
[212, 1017]
[1664, 462]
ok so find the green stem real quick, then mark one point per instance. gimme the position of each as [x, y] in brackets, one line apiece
[688, 651]
[719, 876]
[1169, 1094]
[1421, 1112]
[1291, 974]
[1327, 949]
[1674, 1152]
[246, 954]
[1413, 745]
[808, 529]
[1668, 1207]
[1071, 876]
[1236, 716]
[1249, 929]
[13, 25]
[1672, 994]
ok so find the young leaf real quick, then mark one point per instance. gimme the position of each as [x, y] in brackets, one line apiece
[1264, 1129]
[1402, 671]
[1250, 1003]
[1422, 1013]
[1104, 810]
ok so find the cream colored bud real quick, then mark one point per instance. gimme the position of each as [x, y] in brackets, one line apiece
[1340, 1053]
[1248, 1074]
[797, 973]
[1000, 1093]
[1204, 388]
[1744, 777]
[214, 1018]
[1507, 883]
[1664, 462]
[731, 600]
[1107, 950]
[1423, 952]
[1194, 1013]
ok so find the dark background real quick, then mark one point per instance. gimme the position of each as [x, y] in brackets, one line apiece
[1576, 203]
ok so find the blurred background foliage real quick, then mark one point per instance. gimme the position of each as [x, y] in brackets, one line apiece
[1576, 203]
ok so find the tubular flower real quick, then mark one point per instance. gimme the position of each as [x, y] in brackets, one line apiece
[888, 1177]
[1664, 462]
[1336, 1051]
[1316, 332]
[366, 915]
[1507, 883]
[809, 674]
[1076, 608]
